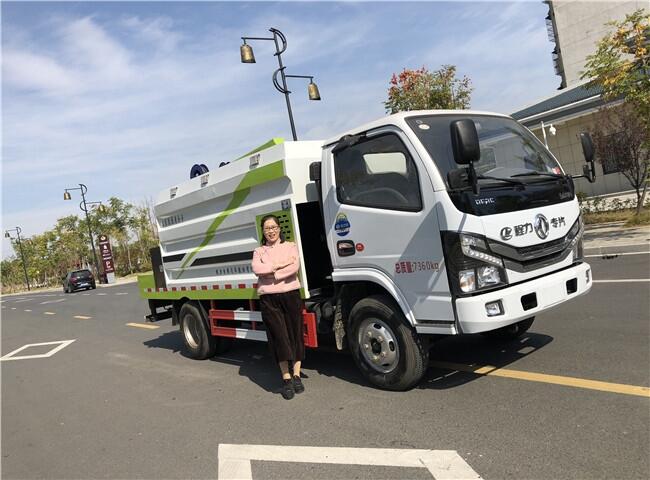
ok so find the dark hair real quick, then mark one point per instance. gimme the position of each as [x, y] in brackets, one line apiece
[277, 222]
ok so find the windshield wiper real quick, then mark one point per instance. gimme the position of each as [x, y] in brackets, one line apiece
[541, 174]
[507, 180]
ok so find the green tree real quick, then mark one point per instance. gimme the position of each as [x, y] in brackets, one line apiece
[424, 90]
[621, 63]
[51, 254]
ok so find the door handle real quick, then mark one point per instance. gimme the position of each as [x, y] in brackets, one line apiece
[345, 248]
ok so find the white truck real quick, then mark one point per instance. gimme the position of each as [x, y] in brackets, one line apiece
[414, 226]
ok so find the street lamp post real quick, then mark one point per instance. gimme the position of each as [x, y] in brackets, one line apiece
[22, 253]
[247, 56]
[551, 130]
[84, 206]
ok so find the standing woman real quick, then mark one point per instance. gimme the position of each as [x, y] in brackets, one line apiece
[276, 263]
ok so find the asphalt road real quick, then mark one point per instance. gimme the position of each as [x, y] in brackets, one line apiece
[124, 402]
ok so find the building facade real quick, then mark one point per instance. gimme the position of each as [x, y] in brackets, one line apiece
[576, 26]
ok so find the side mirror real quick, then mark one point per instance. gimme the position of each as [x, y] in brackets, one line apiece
[314, 171]
[588, 170]
[464, 140]
[587, 146]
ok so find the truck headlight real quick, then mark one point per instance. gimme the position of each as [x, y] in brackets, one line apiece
[577, 230]
[475, 247]
[471, 265]
[488, 276]
[467, 280]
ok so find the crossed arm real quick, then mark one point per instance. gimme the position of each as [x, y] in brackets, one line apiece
[279, 270]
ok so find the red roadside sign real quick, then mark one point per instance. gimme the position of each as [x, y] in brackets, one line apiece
[106, 254]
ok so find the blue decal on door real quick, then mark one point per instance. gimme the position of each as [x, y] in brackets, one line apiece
[342, 225]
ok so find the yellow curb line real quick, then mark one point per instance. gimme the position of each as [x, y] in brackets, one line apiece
[545, 378]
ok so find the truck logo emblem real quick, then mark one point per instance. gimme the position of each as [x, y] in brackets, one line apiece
[506, 233]
[541, 226]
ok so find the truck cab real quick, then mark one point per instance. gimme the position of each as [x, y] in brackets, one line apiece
[463, 218]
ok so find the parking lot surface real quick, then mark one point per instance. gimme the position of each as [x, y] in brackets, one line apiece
[119, 399]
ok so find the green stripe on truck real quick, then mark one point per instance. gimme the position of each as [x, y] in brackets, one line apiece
[255, 177]
[271, 143]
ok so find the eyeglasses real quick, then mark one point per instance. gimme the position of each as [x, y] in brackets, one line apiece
[271, 229]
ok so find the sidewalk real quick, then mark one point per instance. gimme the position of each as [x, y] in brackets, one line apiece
[609, 237]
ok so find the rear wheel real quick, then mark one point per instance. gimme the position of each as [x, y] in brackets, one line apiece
[510, 332]
[386, 349]
[199, 343]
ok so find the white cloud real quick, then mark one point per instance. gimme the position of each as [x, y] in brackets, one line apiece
[28, 71]
[126, 103]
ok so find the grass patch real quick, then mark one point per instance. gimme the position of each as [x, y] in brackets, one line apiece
[643, 218]
[627, 215]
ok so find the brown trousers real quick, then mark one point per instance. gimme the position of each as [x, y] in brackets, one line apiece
[282, 316]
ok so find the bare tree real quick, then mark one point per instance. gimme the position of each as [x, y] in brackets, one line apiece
[620, 137]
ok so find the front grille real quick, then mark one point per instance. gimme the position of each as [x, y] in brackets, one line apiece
[540, 249]
[535, 252]
[525, 259]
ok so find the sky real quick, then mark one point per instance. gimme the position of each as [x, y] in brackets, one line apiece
[125, 97]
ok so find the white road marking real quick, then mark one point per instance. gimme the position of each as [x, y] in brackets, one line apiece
[24, 300]
[13, 308]
[617, 254]
[101, 294]
[122, 293]
[61, 345]
[27, 310]
[235, 460]
[82, 317]
[142, 325]
[85, 294]
[618, 245]
[53, 301]
[49, 313]
[624, 280]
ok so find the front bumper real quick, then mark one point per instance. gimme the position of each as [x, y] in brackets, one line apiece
[524, 300]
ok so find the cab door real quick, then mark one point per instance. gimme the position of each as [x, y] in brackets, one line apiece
[380, 218]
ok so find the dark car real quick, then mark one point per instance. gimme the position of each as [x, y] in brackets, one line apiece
[77, 280]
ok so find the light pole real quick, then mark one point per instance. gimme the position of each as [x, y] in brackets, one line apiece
[22, 254]
[84, 206]
[247, 56]
[551, 130]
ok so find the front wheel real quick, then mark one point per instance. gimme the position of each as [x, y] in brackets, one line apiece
[510, 332]
[386, 349]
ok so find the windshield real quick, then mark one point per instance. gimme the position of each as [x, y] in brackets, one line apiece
[507, 149]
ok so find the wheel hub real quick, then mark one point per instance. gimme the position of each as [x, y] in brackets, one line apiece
[190, 331]
[378, 345]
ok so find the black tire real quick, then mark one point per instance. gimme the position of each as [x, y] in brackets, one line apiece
[510, 332]
[378, 319]
[199, 343]
[65, 289]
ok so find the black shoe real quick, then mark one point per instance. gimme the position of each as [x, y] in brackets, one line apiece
[298, 387]
[287, 389]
